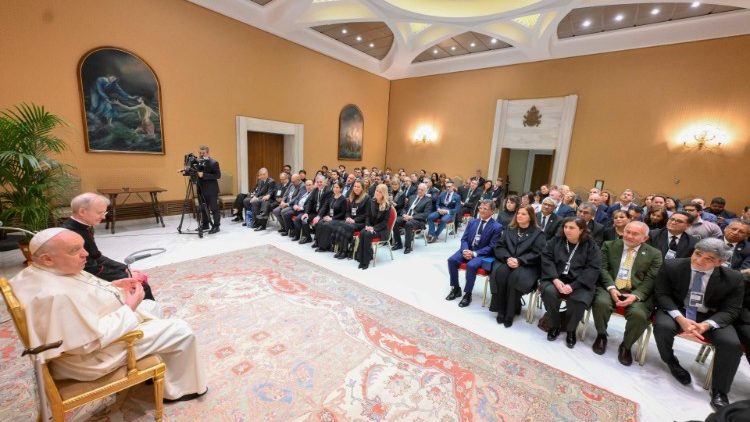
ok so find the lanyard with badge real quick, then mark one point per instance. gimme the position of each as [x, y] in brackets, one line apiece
[570, 256]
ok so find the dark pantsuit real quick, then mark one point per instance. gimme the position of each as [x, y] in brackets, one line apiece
[472, 266]
[409, 227]
[728, 352]
[636, 315]
[552, 300]
[508, 285]
[364, 251]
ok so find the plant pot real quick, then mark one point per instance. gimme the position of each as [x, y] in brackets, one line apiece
[24, 247]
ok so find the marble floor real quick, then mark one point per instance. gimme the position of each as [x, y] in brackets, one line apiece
[420, 279]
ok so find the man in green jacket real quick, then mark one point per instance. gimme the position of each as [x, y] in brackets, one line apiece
[629, 268]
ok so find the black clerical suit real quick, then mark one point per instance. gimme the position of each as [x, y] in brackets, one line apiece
[548, 224]
[418, 209]
[509, 284]
[98, 264]
[722, 304]
[208, 188]
[662, 240]
[583, 273]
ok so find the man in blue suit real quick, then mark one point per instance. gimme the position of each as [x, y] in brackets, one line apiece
[445, 211]
[562, 210]
[477, 243]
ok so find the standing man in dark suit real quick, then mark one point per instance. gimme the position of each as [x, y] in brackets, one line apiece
[672, 240]
[629, 267]
[586, 212]
[547, 219]
[413, 217]
[477, 243]
[699, 297]
[262, 192]
[208, 187]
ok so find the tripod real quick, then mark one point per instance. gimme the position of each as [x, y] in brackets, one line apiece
[189, 202]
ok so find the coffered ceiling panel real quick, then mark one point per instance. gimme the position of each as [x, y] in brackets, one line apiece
[407, 38]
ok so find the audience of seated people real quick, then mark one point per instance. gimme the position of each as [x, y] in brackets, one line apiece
[641, 259]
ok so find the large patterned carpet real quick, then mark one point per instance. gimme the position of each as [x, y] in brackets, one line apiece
[286, 340]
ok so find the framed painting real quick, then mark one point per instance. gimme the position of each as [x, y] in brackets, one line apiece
[351, 131]
[121, 102]
[599, 184]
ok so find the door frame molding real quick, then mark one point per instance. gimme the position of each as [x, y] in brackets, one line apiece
[530, 166]
[294, 139]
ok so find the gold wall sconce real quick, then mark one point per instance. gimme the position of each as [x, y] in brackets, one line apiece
[703, 137]
[425, 134]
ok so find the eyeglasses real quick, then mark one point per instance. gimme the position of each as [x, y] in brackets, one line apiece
[677, 220]
[584, 212]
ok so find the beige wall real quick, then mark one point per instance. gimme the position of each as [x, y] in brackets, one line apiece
[211, 68]
[632, 105]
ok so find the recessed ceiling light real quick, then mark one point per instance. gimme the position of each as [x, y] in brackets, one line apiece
[372, 45]
[472, 45]
[344, 31]
[655, 11]
[359, 38]
[435, 51]
[695, 4]
[453, 48]
[586, 23]
[493, 41]
[619, 17]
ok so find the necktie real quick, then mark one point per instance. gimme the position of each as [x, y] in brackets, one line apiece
[544, 221]
[479, 233]
[673, 243]
[624, 283]
[448, 198]
[91, 230]
[414, 205]
[691, 312]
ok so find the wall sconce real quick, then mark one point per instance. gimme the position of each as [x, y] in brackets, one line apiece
[704, 137]
[425, 134]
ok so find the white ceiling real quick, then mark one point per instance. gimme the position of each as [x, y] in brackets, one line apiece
[417, 25]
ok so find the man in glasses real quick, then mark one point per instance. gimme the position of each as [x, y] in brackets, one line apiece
[587, 211]
[89, 209]
[673, 241]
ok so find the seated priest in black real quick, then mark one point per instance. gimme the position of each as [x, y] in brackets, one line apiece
[698, 297]
[413, 217]
[88, 210]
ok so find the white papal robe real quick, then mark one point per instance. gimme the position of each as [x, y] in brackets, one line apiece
[88, 314]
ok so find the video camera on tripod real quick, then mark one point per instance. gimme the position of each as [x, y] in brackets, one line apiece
[192, 165]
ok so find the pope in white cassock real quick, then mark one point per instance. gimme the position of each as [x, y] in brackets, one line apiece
[63, 302]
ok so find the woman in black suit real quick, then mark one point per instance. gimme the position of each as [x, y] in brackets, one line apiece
[336, 213]
[510, 206]
[356, 213]
[396, 195]
[620, 219]
[518, 265]
[376, 225]
[570, 270]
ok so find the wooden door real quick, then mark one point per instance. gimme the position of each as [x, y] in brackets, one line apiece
[540, 175]
[264, 150]
[503, 168]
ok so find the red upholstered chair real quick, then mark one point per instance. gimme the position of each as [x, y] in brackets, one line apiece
[465, 219]
[641, 346]
[481, 272]
[377, 241]
[450, 227]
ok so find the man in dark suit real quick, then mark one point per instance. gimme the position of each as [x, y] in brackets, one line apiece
[498, 193]
[562, 210]
[208, 188]
[315, 208]
[586, 212]
[735, 237]
[445, 211]
[672, 240]
[477, 243]
[723, 216]
[470, 202]
[601, 215]
[262, 192]
[700, 298]
[294, 188]
[408, 187]
[274, 198]
[625, 203]
[629, 267]
[413, 217]
[296, 209]
[348, 185]
[89, 209]
[547, 219]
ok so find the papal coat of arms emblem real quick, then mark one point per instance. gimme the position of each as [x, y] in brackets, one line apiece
[532, 117]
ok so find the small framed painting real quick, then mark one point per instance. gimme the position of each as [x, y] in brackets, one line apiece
[599, 184]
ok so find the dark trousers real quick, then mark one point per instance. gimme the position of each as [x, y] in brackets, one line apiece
[552, 301]
[508, 285]
[636, 316]
[743, 332]
[239, 204]
[212, 203]
[409, 227]
[728, 352]
[472, 265]
[364, 251]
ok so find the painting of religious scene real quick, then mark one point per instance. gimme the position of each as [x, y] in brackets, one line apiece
[351, 131]
[121, 103]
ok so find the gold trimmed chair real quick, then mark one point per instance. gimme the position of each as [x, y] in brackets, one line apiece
[65, 395]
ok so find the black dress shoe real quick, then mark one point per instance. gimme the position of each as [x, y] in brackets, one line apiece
[552, 334]
[283, 232]
[624, 355]
[680, 373]
[294, 238]
[305, 240]
[259, 229]
[465, 301]
[570, 339]
[396, 247]
[340, 255]
[455, 292]
[186, 397]
[600, 344]
[718, 400]
[314, 244]
[244, 224]
[508, 322]
[320, 250]
[205, 228]
[500, 318]
[213, 230]
[236, 219]
[407, 251]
